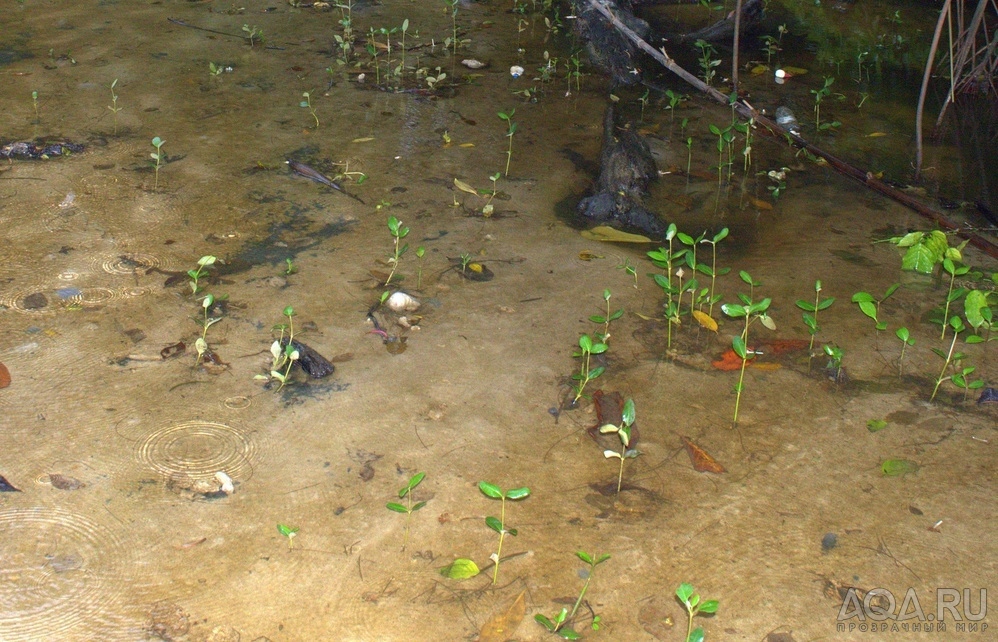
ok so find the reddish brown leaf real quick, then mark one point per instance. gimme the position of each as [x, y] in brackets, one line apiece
[702, 462]
[4, 376]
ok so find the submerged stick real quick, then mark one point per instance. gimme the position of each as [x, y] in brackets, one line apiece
[747, 111]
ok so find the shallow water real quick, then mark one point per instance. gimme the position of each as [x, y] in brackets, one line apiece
[142, 546]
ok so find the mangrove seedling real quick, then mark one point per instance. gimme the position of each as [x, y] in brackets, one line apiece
[290, 532]
[870, 306]
[283, 351]
[201, 344]
[604, 337]
[751, 311]
[253, 34]
[215, 70]
[950, 267]
[453, 4]
[835, 355]
[510, 130]
[587, 348]
[114, 106]
[819, 96]
[712, 271]
[707, 60]
[499, 525]
[962, 380]
[204, 263]
[626, 266]
[810, 317]
[420, 251]
[674, 100]
[158, 156]
[408, 508]
[690, 600]
[307, 104]
[905, 338]
[665, 258]
[34, 103]
[951, 356]
[291, 267]
[624, 433]
[562, 620]
[398, 232]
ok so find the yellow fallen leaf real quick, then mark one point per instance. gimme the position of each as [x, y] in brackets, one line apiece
[363, 140]
[644, 317]
[586, 255]
[876, 135]
[760, 204]
[705, 320]
[502, 626]
[612, 235]
[759, 69]
[795, 71]
[464, 187]
[466, 145]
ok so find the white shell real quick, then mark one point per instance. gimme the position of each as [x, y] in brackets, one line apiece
[227, 487]
[471, 63]
[516, 71]
[401, 302]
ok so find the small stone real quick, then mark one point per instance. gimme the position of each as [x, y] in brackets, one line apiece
[829, 541]
[35, 301]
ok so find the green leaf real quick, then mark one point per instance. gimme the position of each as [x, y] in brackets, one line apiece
[415, 480]
[398, 508]
[599, 348]
[584, 556]
[696, 635]
[595, 372]
[733, 310]
[826, 303]
[898, 467]
[738, 345]
[417, 506]
[586, 343]
[973, 305]
[286, 530]
[710, 606]
[628, 412]
[518, 493]
[568, 634]
[684, 592]
[460, 569]
[876, 425]
[494, 523]
[919, 258]
[544, 621]
[597, 319]
[805, 305]
[490, 490]
[903, 335]
[869, 309]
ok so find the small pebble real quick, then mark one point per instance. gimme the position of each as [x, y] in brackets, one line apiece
[829, 541]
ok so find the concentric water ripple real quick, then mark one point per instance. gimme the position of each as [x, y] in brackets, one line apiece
[95, 296]
[60, 571]
[27, 300]
[126, 263]
[199, 449]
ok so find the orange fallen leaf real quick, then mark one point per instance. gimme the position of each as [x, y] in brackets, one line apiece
[702, 462]
[4, 376]
[760, 204]
[502, 626]
[705, 320]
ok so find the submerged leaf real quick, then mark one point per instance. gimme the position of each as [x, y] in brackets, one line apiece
[502, 625]
[460, 569]
[612, 235]
[705, 320]
[898, 467]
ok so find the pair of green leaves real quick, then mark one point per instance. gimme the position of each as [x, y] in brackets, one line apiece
[623, 431]
[414, 481]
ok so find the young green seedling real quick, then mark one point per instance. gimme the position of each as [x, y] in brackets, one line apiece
[283, 352]
[307, 104]
[201, 344]
[253, 34]
[835, 355]
[290, 532]
[690, 600]
[291, 267]
[34, 103]
[604, 337]
[587, 348]
[398, 232]
[499, 525]
[950, 267]
[453, 4]
[665, 259]
[204, 263]
[749, 310]
[624, 433]
[408, 508]
[712, 271]
[905, 338]
[114, 106]
[871, 306]
[562, 620]
[810, 317]
[956, 323]
[420, 251]
[510, 130]
[158, 156]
